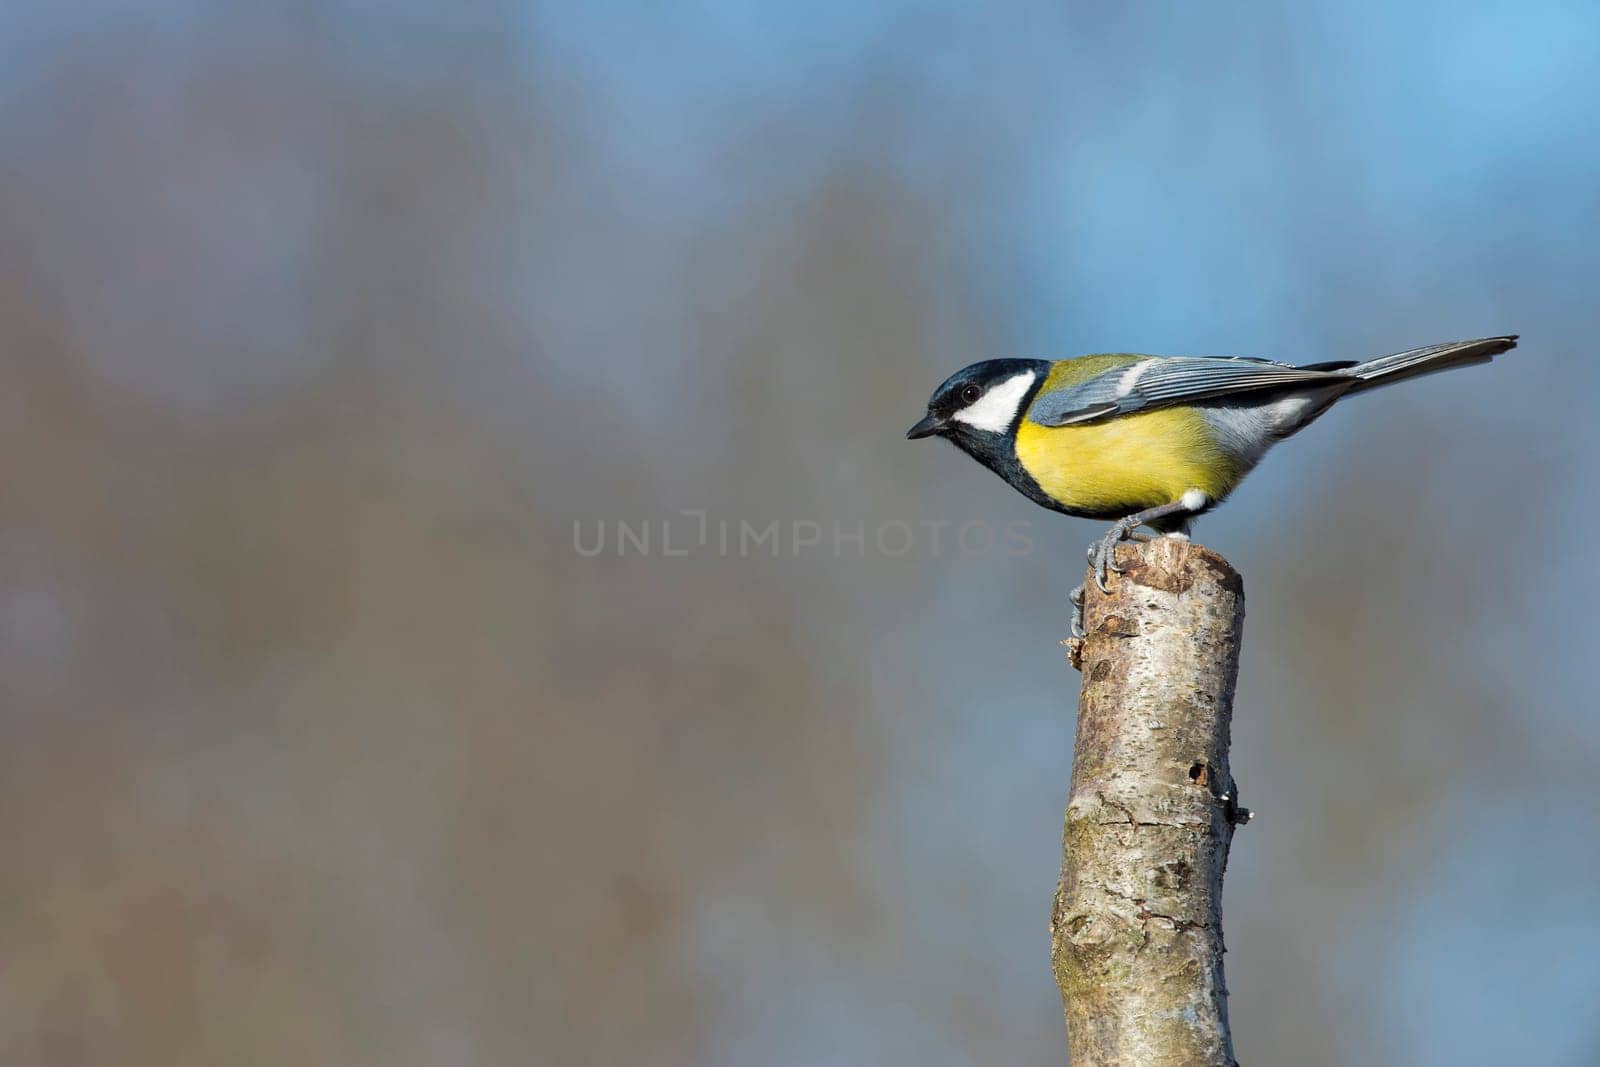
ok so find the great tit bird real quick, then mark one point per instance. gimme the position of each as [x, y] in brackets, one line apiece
[1150, 440]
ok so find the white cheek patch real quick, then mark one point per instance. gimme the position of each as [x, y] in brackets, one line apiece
[996, 409]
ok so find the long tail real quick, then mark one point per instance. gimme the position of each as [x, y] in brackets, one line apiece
[1386, 370]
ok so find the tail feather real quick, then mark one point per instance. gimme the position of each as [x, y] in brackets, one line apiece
[1414, 363]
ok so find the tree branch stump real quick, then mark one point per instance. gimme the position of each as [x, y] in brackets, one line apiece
[1136, 932]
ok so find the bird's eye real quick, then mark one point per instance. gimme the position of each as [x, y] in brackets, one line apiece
[969, 393]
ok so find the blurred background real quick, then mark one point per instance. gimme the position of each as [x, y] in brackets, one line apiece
[350, 353]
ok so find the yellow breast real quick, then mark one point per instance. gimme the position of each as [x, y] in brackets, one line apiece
[1123, 464]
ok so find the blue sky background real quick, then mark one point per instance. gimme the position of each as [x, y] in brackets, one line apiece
[327, 323]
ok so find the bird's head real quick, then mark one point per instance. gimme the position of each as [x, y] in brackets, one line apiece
[981, 404]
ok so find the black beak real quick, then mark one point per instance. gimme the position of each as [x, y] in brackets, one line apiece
[929, 426]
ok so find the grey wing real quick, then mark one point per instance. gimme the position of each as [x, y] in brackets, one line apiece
[1161, 381]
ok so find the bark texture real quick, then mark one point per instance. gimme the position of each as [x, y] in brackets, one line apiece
[1136, 930]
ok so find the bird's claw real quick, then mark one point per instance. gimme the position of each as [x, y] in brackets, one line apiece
[1103, 560]
[1100, 579]
[1103, 554]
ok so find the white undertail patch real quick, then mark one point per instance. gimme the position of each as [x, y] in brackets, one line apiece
[1245, 428]
[1193, 500]
[997, 408]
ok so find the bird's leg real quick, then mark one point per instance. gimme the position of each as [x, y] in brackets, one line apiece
[1103, 553]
